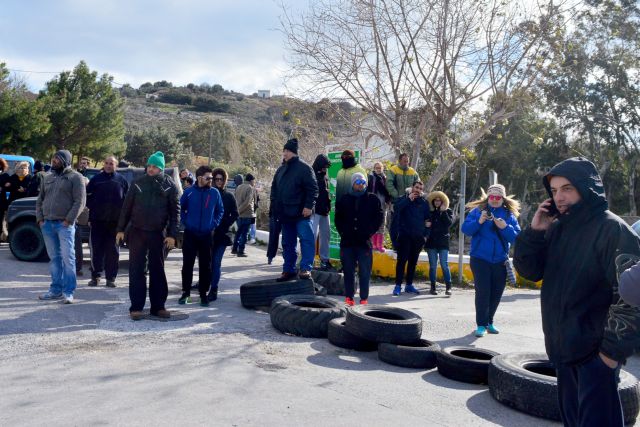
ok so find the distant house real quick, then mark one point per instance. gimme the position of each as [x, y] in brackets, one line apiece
[151, 96]
[264, 94]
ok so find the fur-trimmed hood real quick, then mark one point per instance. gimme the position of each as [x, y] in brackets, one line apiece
[437, 195]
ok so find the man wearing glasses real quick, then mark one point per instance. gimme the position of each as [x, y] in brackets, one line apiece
[201, 210]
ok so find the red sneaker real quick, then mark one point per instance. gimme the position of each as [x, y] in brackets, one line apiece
[349, 301]
[364, 302]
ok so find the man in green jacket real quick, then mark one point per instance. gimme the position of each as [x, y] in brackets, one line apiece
[350, 166]
[400, 177]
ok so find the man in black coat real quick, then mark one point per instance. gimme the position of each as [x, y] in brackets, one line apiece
[293, 196]
[150, 208]
[572, 245]
[358, 217]
[105, 195]
[320, 222]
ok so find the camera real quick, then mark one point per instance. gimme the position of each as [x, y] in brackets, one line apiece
[489, 216]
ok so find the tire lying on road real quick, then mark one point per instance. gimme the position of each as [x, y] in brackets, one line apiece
[419, 355]
[26, 242]
[261, 293]
[340, 337]
[332, 281]
[304, 315]
[527, 382]
[465, 364]
[380, 323]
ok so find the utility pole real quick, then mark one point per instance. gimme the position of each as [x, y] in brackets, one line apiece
[210, 141]
[493, 177]
[463, 189]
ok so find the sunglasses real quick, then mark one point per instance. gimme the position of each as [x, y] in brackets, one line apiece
[219, 179]
[360, 182]
[496, 198]
[207, 178]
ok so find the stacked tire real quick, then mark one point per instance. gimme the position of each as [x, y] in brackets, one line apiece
[332, 281]
[304, 315]
[261, 293]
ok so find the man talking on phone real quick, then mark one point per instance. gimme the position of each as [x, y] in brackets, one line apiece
[150, 207]
[572, 244]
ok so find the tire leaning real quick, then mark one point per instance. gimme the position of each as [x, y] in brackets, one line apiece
[332, 281]
[27, 243]
[380, 323]
[340, 337]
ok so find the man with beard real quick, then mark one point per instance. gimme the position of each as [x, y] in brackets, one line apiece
[151, 206]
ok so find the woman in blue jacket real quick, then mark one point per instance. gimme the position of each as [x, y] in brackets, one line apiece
[493, 226]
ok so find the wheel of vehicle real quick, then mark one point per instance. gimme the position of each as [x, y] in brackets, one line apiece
[527, 382]
[419, 355]
[340, 337]
[332, 281]
[262, 292]
[26, 242]
[465, 364]
[304, 315]
[380, 323]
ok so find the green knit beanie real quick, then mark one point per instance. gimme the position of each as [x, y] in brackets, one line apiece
[156, 159]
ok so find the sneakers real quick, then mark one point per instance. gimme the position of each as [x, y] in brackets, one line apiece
[481, 331]
[326, 266]
[184, 299]
[204, 301]
[136, 315]
[242, 255]
[213, 295]
[349, 302]
[411, 290]
[164, 314]
[433, 289]
[269, 261]
[304, 274]
[285, 276]
[364, 302]
[448, 292]
[49, 296]
[492, 329]
[397, 290]
[234, 251]
[68, 299]
[94, 281]
[252, 241]
[111, 283]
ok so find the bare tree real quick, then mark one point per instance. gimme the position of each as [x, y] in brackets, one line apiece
[423, 69]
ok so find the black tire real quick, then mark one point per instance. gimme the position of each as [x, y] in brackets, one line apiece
[419, 355]
[340, 337]
[26, 242]
[332, 281]
[304, 315]
[380, 323]
[262, 292]
[527, 382]
[320, 290]
[465, 364]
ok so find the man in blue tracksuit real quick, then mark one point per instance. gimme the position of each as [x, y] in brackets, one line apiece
[201, 210]
[105, 196]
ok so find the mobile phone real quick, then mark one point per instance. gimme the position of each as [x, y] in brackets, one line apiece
[553, 210]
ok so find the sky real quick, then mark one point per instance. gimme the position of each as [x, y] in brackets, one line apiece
[235, 43]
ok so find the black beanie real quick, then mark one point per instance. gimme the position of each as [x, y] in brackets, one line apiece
[38, 166]
[292, 145]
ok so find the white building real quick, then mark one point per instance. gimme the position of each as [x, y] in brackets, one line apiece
[264, 94]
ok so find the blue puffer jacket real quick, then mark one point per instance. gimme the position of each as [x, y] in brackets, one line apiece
[201, 209]
[485, 243]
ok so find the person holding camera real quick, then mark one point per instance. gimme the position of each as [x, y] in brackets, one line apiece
[493, 226]
[409, 231]
[572, 245]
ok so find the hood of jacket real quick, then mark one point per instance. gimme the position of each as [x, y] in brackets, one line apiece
[438, 195]
[584, 176]
[320, 162]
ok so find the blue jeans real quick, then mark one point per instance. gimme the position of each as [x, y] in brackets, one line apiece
[489, 280]
[217, 253]
[241, 234]
[362, 258]
[60, 243]
[291, 231]
[252, 231]
[320, 223]
[443, 254]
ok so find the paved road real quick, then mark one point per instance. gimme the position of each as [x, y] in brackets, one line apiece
[88, 364]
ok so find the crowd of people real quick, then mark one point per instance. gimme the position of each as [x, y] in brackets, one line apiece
[573, 244]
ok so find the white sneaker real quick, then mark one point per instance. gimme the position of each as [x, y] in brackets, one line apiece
[252, 241]
[68, 299]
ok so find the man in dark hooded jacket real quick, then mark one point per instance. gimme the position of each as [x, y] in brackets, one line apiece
[572, 245]
[320, 219]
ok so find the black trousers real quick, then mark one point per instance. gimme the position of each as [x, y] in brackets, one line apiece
[360, 257]
[196, 245]
[143, 244]
[489, 280]
[588, 394]
[408, 248]
[104, 251]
